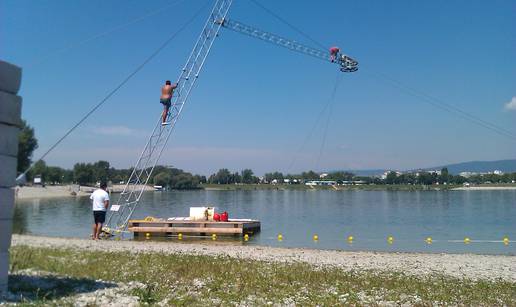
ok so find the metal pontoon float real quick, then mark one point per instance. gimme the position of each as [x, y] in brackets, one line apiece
[186, 226]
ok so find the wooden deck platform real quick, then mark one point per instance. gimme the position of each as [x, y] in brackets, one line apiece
[185, 226]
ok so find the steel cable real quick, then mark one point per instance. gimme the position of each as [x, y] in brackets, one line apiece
[124, 81]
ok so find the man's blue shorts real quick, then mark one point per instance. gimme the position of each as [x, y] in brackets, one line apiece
[99, 217]
[166, 102]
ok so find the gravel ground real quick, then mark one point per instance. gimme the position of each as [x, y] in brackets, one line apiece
[80, 293]
[470, 266]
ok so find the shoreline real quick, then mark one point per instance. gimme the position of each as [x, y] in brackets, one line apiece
[62, 191]
[482, 188]
[471, 266]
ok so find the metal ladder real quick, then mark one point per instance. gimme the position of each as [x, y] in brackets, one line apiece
[121, 212]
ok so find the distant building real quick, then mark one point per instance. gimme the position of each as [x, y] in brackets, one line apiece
[38, 180]
[437, 172]
[321, 182]
[497, 172]
[323, 175]
[467, 174]
[359, 182]
[384, 175]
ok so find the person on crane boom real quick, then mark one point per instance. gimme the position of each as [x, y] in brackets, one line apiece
[166, 99]
[333, 53]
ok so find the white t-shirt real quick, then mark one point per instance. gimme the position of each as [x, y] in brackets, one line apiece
[98, 197]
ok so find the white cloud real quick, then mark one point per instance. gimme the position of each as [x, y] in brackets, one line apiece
[511, 105]
[116, 130]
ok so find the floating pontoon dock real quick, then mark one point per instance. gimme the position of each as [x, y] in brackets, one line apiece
[185, 226]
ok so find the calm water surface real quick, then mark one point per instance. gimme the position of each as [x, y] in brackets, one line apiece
[369, 216]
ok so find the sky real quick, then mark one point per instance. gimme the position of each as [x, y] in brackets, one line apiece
[263, 107]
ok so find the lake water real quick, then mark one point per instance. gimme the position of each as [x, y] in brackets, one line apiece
[369, 216]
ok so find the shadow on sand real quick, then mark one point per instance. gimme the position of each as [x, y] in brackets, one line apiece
[40, 288]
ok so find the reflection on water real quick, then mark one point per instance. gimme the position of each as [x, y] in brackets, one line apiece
[369, 216]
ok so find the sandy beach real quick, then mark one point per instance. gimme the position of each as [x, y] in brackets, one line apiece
[485, 188]
[476, 267]
[31, 192]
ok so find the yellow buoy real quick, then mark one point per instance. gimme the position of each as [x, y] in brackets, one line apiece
[350, 239]
[214, 236]
[280, 237]
[429, 240]
[147, 235]
[180, 236]
[390, 239]
[316, 237]
[506, 240]
[467, 240]
[246, 237]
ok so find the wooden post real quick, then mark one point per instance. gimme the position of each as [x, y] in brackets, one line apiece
[10, 122]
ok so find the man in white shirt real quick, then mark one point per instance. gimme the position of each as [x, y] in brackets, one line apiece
[100, 200]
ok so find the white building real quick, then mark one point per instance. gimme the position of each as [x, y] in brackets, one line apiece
[321, 182]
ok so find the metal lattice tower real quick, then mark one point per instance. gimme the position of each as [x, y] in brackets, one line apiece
[347, 64]
[120, 213]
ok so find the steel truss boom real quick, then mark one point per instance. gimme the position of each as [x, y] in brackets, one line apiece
[347, 64]
[121, 212]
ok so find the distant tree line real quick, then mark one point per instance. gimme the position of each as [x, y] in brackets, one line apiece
[174, 178]
[92, 173]
[224, 176]
[429, 178]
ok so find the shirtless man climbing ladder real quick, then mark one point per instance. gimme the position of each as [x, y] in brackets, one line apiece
[166, 99]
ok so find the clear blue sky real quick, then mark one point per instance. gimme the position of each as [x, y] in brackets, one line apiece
[256, 105]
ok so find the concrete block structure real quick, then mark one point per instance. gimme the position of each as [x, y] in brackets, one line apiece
[10, 120]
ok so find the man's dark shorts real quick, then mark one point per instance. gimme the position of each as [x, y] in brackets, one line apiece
[166, 102]
[99, 217]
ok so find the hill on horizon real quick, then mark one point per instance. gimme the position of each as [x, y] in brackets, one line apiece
[506, 166]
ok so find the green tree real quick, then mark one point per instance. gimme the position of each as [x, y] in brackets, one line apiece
[83, 173]
[184, 181]
[27, 143]
[426, 178]
[54, 175]
[391, 178]
[223, 176]
[100, 170]
[310, 175]
[163, 178]
[67, 176]
[341, 176]
[445, 176]
[248, 176]
[39, 169]
[235, 178]
[278, 176]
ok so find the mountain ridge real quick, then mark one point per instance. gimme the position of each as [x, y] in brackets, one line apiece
[506, 166]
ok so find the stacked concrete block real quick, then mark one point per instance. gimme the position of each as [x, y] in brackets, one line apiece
[10, 122]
